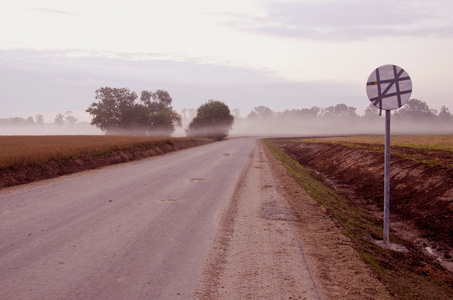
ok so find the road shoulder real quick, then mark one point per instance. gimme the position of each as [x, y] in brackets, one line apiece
[275, 242]
[334, 263]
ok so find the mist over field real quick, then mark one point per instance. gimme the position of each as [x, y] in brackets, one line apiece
[361, 126]
[414, 118]
[50, 129]
[245, 127]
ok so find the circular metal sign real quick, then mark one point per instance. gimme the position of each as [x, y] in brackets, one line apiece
[389, 87]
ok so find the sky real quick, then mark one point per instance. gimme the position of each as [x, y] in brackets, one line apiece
[281, 54]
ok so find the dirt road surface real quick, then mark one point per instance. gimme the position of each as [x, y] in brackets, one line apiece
[213, 222]
[276, 242]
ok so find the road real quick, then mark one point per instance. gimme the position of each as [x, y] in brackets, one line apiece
[139, 230]
[257, 253]
[220, 221]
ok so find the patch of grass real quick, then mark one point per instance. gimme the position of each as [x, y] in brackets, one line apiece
[400, 272]
[428, 142]
[34, 150]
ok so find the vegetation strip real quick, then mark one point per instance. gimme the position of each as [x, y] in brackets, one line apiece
[438, 148]
[24, 159]
[33, 150]
[431, 142]
[408, 275]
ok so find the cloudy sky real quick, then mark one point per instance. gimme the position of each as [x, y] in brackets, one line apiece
[282, 54]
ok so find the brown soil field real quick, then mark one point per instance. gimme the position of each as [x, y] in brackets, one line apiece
[421, 195]
[24, 159]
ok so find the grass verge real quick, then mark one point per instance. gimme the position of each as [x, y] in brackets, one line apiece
[407, 275]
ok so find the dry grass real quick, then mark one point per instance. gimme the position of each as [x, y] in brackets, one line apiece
[32, 150]
[434, 142]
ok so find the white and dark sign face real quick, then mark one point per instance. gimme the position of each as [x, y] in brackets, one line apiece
[389, 87]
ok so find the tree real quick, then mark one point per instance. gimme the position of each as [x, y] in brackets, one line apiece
[340, 111]
[444, 114]
[303, 114]
[119, 112]
[371, 111]
[163, 119]
[59, 119]
[213, 120]
[415, 109]
[160, 100]
[70, 119]
[30, 121]
[188, 113]
[261, 113]
[113, 109]
[236, 112]
[163, 122]
[313, 112]
[39, 119]
[135, 120]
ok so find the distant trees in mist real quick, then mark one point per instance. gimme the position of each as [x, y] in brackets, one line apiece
[414, 117]
[60, 119]
[62, 123]
[154, 115]
[67, 119]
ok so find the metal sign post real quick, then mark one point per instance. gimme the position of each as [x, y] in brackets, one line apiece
[387, 179]
[388, 87]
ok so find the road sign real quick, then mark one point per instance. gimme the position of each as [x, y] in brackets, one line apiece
[389, 87]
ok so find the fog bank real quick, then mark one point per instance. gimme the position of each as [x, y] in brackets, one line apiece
[50, 129]
[336, 127]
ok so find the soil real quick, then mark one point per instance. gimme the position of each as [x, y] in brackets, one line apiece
[421, 196]
[275, 242]
[26, 174]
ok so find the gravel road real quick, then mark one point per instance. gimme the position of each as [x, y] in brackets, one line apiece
[275, 242]
[138, 230]
[257, 253]
[211, 222]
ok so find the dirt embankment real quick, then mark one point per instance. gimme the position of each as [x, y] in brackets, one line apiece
[421, 196]
[54, 168]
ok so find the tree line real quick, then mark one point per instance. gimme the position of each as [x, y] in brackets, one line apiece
[60, 119]
[122, 111]
[414, 117]
[414, 109]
